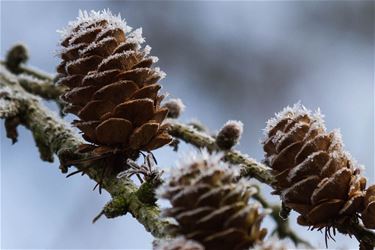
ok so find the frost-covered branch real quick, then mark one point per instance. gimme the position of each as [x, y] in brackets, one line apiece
[249, 166]
[282, 229]
[189, 134]
[32, 80]
[117, 206]
[54, 136]
[43, 88]
[15, 61]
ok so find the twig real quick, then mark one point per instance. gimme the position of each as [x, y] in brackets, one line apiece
[364, 236]
[54, 134]
[37, 73]
[33, 80]
[43, 88]
[282, 229]
[249, 166]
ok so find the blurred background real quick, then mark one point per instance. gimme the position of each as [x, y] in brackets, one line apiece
[225, 60]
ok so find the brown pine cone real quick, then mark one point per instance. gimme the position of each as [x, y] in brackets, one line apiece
[272, 244]
[368, 215]
[112, 87]
[210, 207]
[313, 174]
[179, 243]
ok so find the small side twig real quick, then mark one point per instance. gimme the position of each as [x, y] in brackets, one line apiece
[32, 80]
[249, 166]
[365, 237]
[282, 229]
[118, 206]
[43, 88]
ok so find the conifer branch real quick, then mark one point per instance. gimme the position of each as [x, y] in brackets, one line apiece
[249, 166]
[43, 88]
[31, 79]
[282, 229]
[61, 141]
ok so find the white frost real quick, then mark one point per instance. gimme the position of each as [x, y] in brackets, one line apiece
[85, 17]
[176, 243]
[29, 78]
[292, 112]
[160, 73]
[136, 36]
[116, 56]
[94, 45]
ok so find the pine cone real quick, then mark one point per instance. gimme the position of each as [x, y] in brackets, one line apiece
[210, 207]
[271, 244]
[368, 215]
[179, 243]
[313, 174]
[112, 87]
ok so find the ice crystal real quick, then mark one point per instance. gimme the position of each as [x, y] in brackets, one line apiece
[86, 18]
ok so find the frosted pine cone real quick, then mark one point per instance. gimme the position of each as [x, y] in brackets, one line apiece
[314, 175]
[271, 244]
[112, 87]
[210, 207]
[368, 215]
[179, 243]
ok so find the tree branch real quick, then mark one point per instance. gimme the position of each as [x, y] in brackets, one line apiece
[282, 229]
[32, 80]
[250, 168]
[43, 88]
[54, 136]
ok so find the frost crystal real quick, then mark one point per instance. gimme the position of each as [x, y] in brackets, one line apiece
[91, 46]
[160, 73]
[85, 19]
[292, 112]
[136, 36]
[178, 243]
[116, 56]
